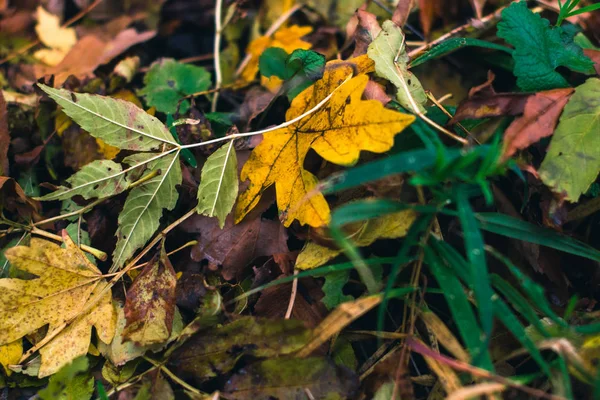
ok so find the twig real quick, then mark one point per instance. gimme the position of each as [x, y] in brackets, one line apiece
[30, 46]
[217, 53]
[99, 254]
[272, 29]
[174, 377]
[288, 313]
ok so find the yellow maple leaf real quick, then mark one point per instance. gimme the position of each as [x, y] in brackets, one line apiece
[10, 353]
[58, 40]
[289, 39]
[338, 131]
[361, 234]
[65, 281]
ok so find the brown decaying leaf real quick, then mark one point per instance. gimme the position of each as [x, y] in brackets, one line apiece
[4, 137]
[235, 246]
[14, 199]
[594, 55]
[256, 101]
[363, 28]
[402, 12]
[150, 303]
[540, 115]
[483, 102]
[375, 91]
[90, 52]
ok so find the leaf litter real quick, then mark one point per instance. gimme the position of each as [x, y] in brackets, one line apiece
[287, 199]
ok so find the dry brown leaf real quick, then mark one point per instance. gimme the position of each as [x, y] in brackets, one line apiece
[150, 303]
[402, 12]
[594, 55]
[235, 246]
[539, 119]
[4, 137]
[363, 28]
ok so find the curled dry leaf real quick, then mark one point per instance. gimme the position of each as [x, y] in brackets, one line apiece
[279, 159]
[66, 281]
[538, 121]
[150, 303]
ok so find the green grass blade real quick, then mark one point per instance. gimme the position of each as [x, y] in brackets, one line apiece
[454, 44]
[516, 229]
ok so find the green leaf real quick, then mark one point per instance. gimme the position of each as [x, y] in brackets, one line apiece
[219, 184]
[272, 63]
[73, 381]
[539, 49]
[144, 206]
[333, 289]
[168, 81]
[98, 179]
[517, 229]
[117, 122]
[454, 44]
[389, 53]
[573, 158]
[291, 378]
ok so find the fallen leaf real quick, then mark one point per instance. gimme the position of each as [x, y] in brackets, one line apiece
[361, 234]
[89, 53]
[388, 50]
[51, 34]
[168, 81]
[150, 303]
[73, 381]
[278, 160]
[256, 101]
[483, 102]
[539, 119]
[10, 353]
[292, 378]
[4, 137]
[235, 246]
[289, 39]
[571, 164]
[65, 281]
[402, 12]
[594, 55]
[366, 29]
[205, 355]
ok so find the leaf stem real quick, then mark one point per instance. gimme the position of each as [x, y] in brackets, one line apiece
[174, 377]
[217, 51]
[99, 254]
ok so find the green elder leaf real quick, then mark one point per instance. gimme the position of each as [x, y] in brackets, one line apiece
[98, 179]
[573, 159]
[73, 381]
[168, 81]
[218, 188]
[540, 49]
[389, 53]
[144, 206]
[272, 63]
[117, 122]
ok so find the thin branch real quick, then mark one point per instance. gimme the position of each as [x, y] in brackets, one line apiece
[217, 53]
[288, 313]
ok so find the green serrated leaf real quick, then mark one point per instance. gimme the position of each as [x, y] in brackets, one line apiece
[539, 49]
[389, 53]
[573, 158]
[218, 188]
[333, 289]
[144, 206]
[98, 179]
[117, 122]
[73, 381]
[168, 81]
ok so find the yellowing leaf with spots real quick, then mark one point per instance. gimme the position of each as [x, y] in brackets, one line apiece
[337, 131]
[289, 39]
[65, 280]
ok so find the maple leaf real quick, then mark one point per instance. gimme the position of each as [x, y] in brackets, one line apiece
[288, 39]
[338, 131]
[65, 281]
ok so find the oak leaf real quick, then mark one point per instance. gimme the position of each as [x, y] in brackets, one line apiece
[66, 281]
[288, 39]
[337, 131]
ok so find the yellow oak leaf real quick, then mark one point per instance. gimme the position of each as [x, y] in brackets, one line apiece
[361, 234]
[338, 132]
[65, 281]
[11, 353]
[52, 35]
[289, 39]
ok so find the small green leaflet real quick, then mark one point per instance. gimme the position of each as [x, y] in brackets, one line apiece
[98, 179]
[144, 206]
[117, 122]
[573, 159]
[389, 53]
[539, 49]
[298, 70]
[73, 381]
[333, 289]
[168, 81]
[218, 188]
